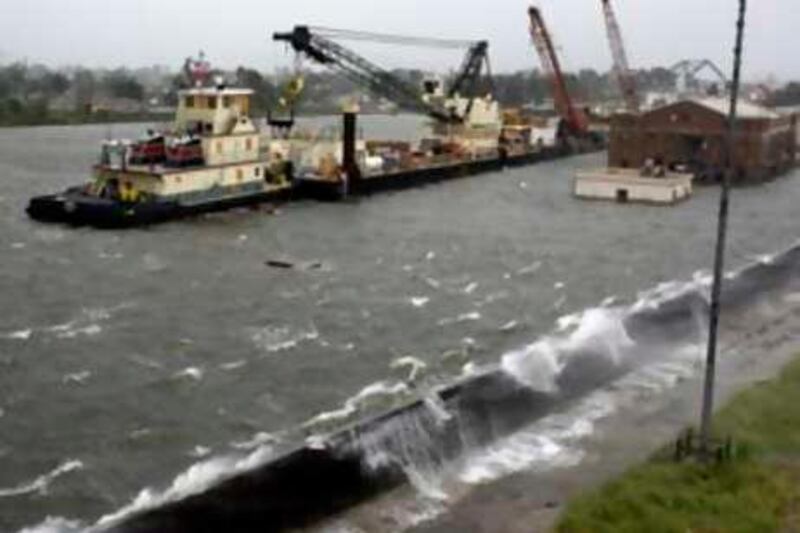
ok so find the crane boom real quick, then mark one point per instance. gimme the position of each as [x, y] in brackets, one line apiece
[622, 71]
[540, 36]
[318, 44]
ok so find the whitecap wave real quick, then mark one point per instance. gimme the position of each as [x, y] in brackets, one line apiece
[233, 365]
[77, 377]
[56, 524]
[419, 301]
[415, 366]
[22, 335]
[42, 483]
[511, 325]
[259, 440]
[191, 372]
[359, 401]
[551, 443]
[198, 478]
[274, 339]
[539, 364]
[464, 317]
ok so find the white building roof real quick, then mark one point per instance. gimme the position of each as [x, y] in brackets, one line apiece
[744, 109]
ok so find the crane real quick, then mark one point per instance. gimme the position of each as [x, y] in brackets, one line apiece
[575, 121]
[319, 45]
[687, 70]
[625, 78]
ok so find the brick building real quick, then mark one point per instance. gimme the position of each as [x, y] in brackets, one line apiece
[692, 133]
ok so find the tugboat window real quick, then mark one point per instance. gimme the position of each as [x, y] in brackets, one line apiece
[190, 101]
[226, 101]
[212, 102]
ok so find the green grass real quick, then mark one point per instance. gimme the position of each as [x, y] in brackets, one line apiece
[758, 491]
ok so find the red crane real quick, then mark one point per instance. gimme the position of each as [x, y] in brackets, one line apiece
[576, 121]
[625, 78]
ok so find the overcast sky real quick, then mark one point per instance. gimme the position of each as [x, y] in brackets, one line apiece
[232, 32]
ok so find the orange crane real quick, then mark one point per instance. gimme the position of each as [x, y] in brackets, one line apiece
[576, 122]
[625, 78]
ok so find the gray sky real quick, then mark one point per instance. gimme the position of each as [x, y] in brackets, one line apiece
[146, 32]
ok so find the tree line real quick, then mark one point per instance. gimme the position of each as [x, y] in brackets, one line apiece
[35, 94]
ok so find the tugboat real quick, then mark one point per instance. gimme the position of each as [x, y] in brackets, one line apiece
[211, 159]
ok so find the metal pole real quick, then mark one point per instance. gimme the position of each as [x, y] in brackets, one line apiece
[719, 257]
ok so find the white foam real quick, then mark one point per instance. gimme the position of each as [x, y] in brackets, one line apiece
[72, 332]
[87, 323]
[17, 245]
[509, 326]
[191, 372]
[553, 442]
[22, 335]
[430, 256]
[260, 439]
[419, 301]
[353, 404]
[198, 478]
[233, 365]
[437, 407]
[77, 377]
[414, 364]
[55, 524]
[469, 289]
[274, 339]
[559, 285]
[530, 269]
[539, 364]
[199, 452]
[469, 369]
[41, 483]
[464, 317]
[608, 302]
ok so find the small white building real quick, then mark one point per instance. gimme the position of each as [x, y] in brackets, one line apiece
[628, 185]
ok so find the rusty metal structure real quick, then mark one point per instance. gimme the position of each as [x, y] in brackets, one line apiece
[575, 121]
[622, 72]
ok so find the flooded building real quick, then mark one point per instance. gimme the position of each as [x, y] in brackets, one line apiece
[690, 134]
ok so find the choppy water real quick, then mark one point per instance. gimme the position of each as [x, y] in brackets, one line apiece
[127, 357]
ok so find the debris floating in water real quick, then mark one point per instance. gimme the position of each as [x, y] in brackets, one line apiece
[277, 263]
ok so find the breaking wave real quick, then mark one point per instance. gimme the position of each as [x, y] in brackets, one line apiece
[42, 483]
[532, 410]
[274, 339]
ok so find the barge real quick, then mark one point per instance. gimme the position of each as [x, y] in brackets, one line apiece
[631, 185]
[214, 157]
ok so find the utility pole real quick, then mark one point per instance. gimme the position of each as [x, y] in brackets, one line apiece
[719, 257]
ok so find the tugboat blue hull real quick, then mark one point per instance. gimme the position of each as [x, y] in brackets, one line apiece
[81, 210]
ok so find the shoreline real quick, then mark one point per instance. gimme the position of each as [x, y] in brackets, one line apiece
[533, 501]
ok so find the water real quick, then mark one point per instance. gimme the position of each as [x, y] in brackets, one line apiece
[127, 357]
